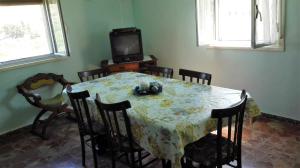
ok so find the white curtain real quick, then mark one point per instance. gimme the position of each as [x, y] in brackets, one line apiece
[267, 30]
[205, 21]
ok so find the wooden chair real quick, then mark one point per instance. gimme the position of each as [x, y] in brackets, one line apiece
[87, 125]
[55, 104]
[217, 150]
[205, 77]
[158, 71]
[92, 74]
[120, 141]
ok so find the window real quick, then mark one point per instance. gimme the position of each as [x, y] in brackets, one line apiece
[31, 30]
[241, 23]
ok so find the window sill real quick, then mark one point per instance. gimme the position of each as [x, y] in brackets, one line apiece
[15, 64]
[274, 48]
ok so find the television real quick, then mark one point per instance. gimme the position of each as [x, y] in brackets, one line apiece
[126, 45]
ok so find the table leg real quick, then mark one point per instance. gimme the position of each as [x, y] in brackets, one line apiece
[166, 163]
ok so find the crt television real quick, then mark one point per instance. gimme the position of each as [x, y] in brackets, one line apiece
[126, 45]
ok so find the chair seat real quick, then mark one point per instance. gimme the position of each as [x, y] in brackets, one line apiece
[53, 101]
[204, 151]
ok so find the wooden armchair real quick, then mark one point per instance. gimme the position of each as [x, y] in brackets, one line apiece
[55, 104]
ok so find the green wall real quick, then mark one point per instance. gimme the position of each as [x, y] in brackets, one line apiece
[88, 25]
[272, 78]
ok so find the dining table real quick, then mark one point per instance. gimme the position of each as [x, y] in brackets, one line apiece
[164, 123]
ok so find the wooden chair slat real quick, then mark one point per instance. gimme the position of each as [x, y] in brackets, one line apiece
[205, 77]
[92, 74]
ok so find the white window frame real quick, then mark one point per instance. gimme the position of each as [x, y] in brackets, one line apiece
[253, 46]
[39, 59]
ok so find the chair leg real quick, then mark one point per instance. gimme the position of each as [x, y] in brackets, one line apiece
[239, 161]
[94, 152]
[140, 159]
[166, 163]
[163, 163]
[82, 150]
[182, 163]
[127, 158]
[132, 165]
[113, 162]
[47, 122]
[239, 158]
[102, 144]
[187, 163]
[37, 118]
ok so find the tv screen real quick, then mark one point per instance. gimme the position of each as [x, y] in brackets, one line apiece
[126, 45]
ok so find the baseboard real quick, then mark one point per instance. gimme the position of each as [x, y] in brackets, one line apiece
[17, 131]
[29, 126]
[279, 118]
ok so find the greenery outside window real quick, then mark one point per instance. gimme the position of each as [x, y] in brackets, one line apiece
[31, 31]
[241, 23]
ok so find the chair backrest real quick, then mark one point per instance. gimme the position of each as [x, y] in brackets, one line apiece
[158, 71]
[80, 107]
[92, 74]
[205, 77]
[112, 115]
[42, 79]
[234, 116]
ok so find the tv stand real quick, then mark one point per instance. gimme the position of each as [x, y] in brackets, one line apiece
[134, 66]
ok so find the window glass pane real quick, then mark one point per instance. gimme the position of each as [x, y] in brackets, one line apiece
[57, 26]
[234, 20]
[23, 32]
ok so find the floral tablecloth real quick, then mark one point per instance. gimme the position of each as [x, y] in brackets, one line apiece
[163, 124]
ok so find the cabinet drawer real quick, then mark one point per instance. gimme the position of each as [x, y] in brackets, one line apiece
[124, 67]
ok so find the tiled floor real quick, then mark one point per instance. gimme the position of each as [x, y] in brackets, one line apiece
[268, 143]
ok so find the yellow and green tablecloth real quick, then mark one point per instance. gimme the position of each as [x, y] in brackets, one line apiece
[163, 124]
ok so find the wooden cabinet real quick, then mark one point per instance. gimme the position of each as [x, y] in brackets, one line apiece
[124, 67]
[135, 66]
